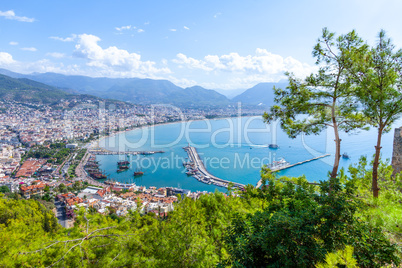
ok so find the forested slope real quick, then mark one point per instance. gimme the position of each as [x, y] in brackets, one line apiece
[288, 223]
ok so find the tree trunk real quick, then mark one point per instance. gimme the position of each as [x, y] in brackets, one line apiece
[334, 172]
[374, 184]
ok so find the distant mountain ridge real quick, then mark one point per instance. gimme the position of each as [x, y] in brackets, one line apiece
[25, 90]
[261, 94]
[30, 91]
[149, 91]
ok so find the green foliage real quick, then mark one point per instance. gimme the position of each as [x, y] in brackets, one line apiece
[4, 189]
[23, 224]
[378, 75]
[325, 96]
[301, 224]
[385, 212]
[323, 99]
[339, 258]
[57, 145]
[57, 151]
[287, 223]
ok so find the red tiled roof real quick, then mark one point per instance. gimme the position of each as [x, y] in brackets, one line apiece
[31, 187]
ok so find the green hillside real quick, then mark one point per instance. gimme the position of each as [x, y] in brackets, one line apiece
[25, 90]
[29, 91]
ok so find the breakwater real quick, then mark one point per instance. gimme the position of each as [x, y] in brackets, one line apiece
[196, 168]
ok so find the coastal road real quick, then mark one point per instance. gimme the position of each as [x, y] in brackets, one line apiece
[61, 213]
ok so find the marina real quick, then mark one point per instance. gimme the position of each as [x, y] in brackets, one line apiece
[92, 169]
[195, 167]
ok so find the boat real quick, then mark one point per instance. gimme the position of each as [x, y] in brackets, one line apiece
[273, 146]
[345, 156]
[98, 176]
[138, 173]
[123, 163]
[122, 168]
[278, 164]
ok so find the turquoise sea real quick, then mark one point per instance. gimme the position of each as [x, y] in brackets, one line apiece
[233, 149]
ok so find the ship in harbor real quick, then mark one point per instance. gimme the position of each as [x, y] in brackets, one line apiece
[138, 173]
[345, 156]
[281, 163]
[123, 165]
[123, 168]
[93, 170]
[273, 146]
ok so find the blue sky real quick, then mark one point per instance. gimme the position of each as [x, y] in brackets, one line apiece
[215, 44]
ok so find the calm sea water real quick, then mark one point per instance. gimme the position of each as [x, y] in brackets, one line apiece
[232, 149]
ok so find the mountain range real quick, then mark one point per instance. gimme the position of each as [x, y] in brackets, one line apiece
[143, 91]
[261, 94]
[29, 91]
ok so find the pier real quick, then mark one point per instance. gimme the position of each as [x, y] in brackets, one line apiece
[201, 173]
[259, 183]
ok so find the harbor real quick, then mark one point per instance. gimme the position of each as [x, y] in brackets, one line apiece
[195, 167]
[91, 167]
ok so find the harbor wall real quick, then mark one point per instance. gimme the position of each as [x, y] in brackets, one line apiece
[397, 151]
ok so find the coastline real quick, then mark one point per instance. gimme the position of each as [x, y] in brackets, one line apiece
[99, 140]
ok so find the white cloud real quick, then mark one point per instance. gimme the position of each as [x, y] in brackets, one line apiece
[10, 15]
[182, 82]
[191, 62]
[32, 49]
[186, 28]
[262, 62]
[40, 66]
[172, 30]
[113, 61]
[128, 27]
[56, 55]
[236, 71]
[217, 15]
[140, 30]
[12, 43]
[67, 39]
[6, 58]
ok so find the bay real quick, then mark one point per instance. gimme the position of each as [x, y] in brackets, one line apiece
[231, 148]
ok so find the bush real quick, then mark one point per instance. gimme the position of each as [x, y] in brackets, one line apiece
[301, 224]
